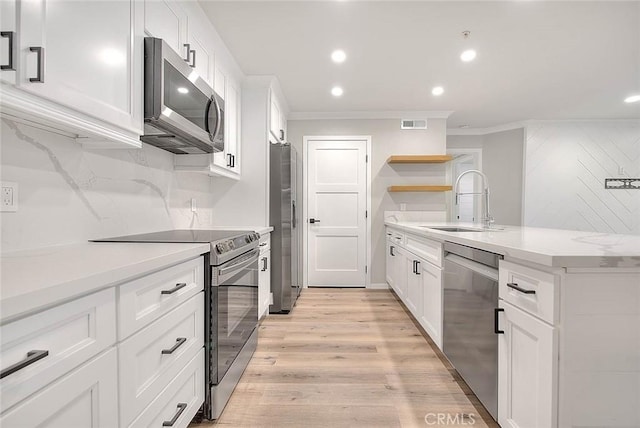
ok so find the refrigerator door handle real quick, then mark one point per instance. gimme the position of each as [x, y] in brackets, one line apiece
[293, 214]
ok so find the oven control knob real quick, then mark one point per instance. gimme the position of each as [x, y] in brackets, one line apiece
[219, 248]
[230, 245]
[248, 239]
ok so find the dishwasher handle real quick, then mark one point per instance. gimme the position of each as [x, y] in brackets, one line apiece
[479, 268]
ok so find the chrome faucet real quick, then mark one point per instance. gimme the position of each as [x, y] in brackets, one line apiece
[487, 220]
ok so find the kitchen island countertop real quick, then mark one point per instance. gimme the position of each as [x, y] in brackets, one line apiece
[547, 247]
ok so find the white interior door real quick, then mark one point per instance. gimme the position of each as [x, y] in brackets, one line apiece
[336, 213]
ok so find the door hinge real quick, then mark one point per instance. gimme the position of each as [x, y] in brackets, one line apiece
[366, 269]
[366, 213]
[366, 158]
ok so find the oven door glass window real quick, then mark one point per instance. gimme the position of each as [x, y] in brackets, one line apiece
[237, 304]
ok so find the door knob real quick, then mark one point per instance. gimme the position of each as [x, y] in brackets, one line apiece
[313, 220]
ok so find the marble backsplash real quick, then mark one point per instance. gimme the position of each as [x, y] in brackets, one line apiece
[70, 193]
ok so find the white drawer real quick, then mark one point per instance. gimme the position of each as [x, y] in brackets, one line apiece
[186, 391]
[149, 359]
[71, 334]
[428, 249]
[148, 298]
[265, 242]
[86, 397]
[536, 292]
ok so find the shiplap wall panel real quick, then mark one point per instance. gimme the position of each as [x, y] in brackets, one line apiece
[565, 167]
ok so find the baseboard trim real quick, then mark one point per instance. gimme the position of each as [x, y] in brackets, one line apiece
[378, 286]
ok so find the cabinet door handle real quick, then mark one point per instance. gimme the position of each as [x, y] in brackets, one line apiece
[174, 419]
[193, 58]
[282, 135]
[417, 267]
[229, 155]
[264, 264]
[11, 35]
[233, 161]
[413, 269]
[496, 324]
[188, 58]
[40, 73]
[391, 248]
[179, 342]
[520, 289]
[32, 357]
[313, 220]
[178, 286]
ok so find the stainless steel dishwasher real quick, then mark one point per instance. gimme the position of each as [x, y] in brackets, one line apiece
[470, 340]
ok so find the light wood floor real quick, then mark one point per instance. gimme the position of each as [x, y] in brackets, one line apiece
[347, 358]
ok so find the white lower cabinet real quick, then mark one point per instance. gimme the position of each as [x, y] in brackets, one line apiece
[178, 403]
[264, 276]
[431, 316]
[401, 272]
[389, 273]
[151, 358]
[60, 367]
[86, 397]
[527, 365]
[414, 286]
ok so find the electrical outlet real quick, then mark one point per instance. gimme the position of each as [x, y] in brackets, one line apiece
[9, 197]
[193, 205]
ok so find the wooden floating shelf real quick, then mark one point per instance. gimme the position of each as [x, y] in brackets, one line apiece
[419, 188]
[419, 159]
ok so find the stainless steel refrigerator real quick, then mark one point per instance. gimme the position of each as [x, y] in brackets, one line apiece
[283, 216]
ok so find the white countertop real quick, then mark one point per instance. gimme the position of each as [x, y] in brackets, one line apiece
[34, 279]
[548, 247]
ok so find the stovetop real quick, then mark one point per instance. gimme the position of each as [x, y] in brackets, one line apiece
[225, 244]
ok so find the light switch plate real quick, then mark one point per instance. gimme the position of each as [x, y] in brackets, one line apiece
[9, 196]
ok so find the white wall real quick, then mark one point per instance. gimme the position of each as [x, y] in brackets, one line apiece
[566, 164]
[386, 139]
[502, 162]
[70, 194]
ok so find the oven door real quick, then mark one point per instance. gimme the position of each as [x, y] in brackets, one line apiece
[235, 297]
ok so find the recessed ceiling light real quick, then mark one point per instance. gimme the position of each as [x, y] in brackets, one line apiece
[632, 99]
[437, 91]
[183, 90]
[337, 91]
[338, 56]
[468, 55]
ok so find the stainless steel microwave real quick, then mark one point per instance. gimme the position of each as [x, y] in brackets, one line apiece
[182, 113]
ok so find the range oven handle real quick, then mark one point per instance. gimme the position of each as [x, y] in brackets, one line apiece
[246, 261]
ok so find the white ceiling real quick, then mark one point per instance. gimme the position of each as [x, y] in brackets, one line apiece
[536, 60]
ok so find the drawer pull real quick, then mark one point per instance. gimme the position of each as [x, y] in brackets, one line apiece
[264, 264]
[178, 286]
[391, 253]
[496, 322]
[520, 289]
[11, 35]
[179, 342]
[39, 50]
[174, 419]
[32, 357]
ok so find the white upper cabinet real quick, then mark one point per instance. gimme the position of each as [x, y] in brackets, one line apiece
[8, 42]
[167, 20]
[80, 55]
[277, 118]
[201, 50]
[232, 126]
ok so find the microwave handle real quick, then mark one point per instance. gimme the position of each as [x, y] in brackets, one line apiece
[218, 118]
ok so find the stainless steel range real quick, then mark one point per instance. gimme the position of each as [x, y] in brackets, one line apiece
[231, 315]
